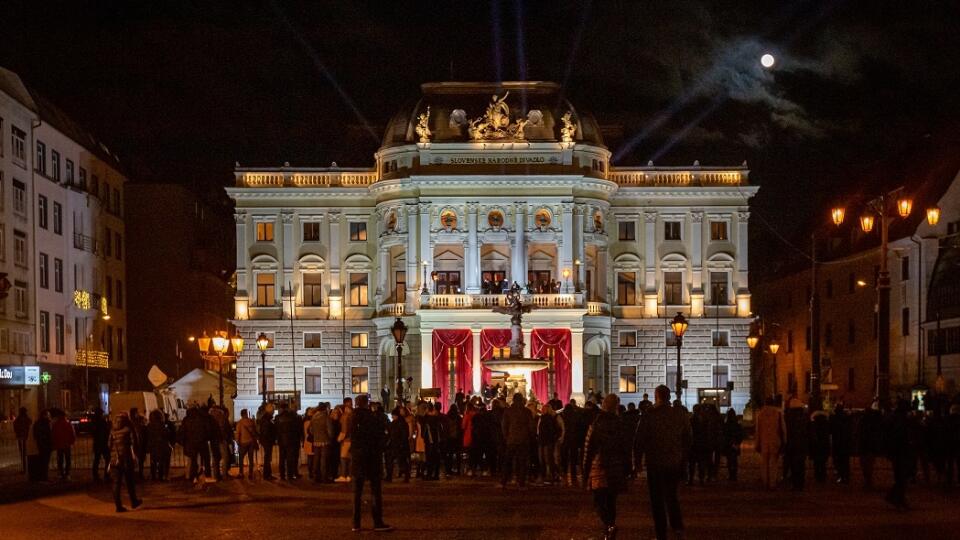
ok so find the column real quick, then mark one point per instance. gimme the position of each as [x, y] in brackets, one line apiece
[579, 270]
[518, 259]
[650, 251]
[426, 357]
[471, 256]
[527, 338]
[576, 379]
[696, 263]
[426, 247]
[477, 374]
[565, 251]
[241, 300]
[742, 221]
[413, 272]
[337, 301]
[383, 273]
[287, 240]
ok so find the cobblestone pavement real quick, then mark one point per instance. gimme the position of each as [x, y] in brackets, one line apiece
[474, 509]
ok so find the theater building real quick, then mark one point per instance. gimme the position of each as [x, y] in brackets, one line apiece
[477, 186]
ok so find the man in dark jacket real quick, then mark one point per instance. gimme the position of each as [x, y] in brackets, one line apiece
[841, 434]
[21, 428]
[289, 437]
[368, 438]
[398, 446]
[798, 442]
[572, 441]
[267, 432]
[663, 437]
[123, 461]
[101, 444]
[193, 436]
[518, 429]
[322, 433]
[606, 462]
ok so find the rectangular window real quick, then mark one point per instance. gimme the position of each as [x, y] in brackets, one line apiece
[671, 230]
[627, 288]
[265, 231]
[721, 376]
[83, 178]
[55, 165]
[117, 245]
[120, 344]
[359, 382]
[118, 298]
[311, 231]
[359, 340]
[312, 380]
[58, 274]
[851, 332]
[58, 330]
[42, 211]
[312, 340]
[628, 230]
[671, 377]
[107, 242]
[266, 290]
[447, 283]
[265, 380]
[358, 290]
[905, 268]
[18, 144]
[718, 288]
[40, 165]
[628, 379]
[44, 331]
[358, 232]
[789, 341]
[828, 334]
[43, 268]
[718, 230]
[20, 248]
[720, 338]
[905, 321]
[109, 291]
[628, 338]
[312, 289]
[673, 288]
[57, 218]
[19, 197]
[69, 171]
[400, 286]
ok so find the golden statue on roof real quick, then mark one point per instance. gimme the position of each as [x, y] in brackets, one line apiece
[495, 123]
[423, 130]
[568, 129]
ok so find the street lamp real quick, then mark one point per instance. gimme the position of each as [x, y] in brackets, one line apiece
[679, 325]
[424, 291]
[262, 344]
[220, 346]
[399, 331]
[566, 278]
[576, 280]
[774, 347]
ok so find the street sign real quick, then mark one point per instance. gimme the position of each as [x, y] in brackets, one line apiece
[19, 376]
[46, 377]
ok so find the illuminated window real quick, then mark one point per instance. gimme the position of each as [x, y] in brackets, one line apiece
[359, 382]
[312, 289]
[628, 339]
[265, 231]
[627, 288]
[718, 230]
[627, 230]
[628, 379]
[266, 290]
[358, 232]
[359, 340]
[312, 380]
[673, 288]
[359, 289]
[265, 376]
[312, 340]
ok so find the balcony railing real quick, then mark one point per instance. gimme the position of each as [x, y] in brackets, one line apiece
[489, 301]
[84, 242]
[392, 310]
[598, 308]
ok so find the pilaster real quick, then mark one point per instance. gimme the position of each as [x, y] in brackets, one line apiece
[471, 256]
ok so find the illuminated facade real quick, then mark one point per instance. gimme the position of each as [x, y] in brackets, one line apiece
[469, 194]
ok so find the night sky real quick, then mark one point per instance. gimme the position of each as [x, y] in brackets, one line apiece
[182, 90]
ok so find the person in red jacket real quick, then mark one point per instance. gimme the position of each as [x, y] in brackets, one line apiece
[63, 437]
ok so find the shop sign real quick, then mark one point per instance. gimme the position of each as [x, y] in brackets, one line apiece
[19, 376]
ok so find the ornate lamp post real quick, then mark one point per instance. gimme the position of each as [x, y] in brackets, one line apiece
[774, 347]
[880, 207]
[566, 278]
[220, 345]
[263, 343]
[399, 331]
[679, 325]
[425, 291]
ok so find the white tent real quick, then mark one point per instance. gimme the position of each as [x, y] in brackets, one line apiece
[198, 385]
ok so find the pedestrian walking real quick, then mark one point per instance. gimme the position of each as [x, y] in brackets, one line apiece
[100, 435]
[606, 462]
[770, 434]
[518, 430]
[123, 461]
[138, 431]
[246, 437]
[222, 442]
[21, 430]
[574, 433]
[39, 448]
[63, 437]
[367, 443]
[663, 436]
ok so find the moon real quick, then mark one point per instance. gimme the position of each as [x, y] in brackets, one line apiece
[767, 60]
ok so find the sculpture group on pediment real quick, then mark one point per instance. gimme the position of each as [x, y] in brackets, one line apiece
[423, 129]
[495, 123]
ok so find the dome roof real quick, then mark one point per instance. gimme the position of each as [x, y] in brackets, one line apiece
[453, 105]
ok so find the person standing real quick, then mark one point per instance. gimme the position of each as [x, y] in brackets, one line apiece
[841, 435]
[798, 442]
[193, 437]
[663, 436]
[732, 437]
[366, 449]
[267, 433]
[518, 430]
[63, 437]
[398, 445]
[246, 437]
[549, 429]
[138, 431]
[21, 429]
[42, 438]
[158, 445]
[343, 437]
[606, 462]
[123, 461]
[572, 441]
[224, 441]
[869, 442]
[289, 433]
[321, 433]
[555, 403]
[896, 432]
[770, 433]
[100, 432]
[819, 444]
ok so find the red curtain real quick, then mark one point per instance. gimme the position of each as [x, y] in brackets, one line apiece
[559, 339]
[491, 338]
[462, 341]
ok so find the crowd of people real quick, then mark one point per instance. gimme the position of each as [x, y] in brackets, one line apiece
[601, 445]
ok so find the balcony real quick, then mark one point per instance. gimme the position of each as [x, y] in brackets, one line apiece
[86, 243]
[490, 301]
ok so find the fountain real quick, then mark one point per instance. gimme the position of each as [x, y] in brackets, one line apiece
[517, 369]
